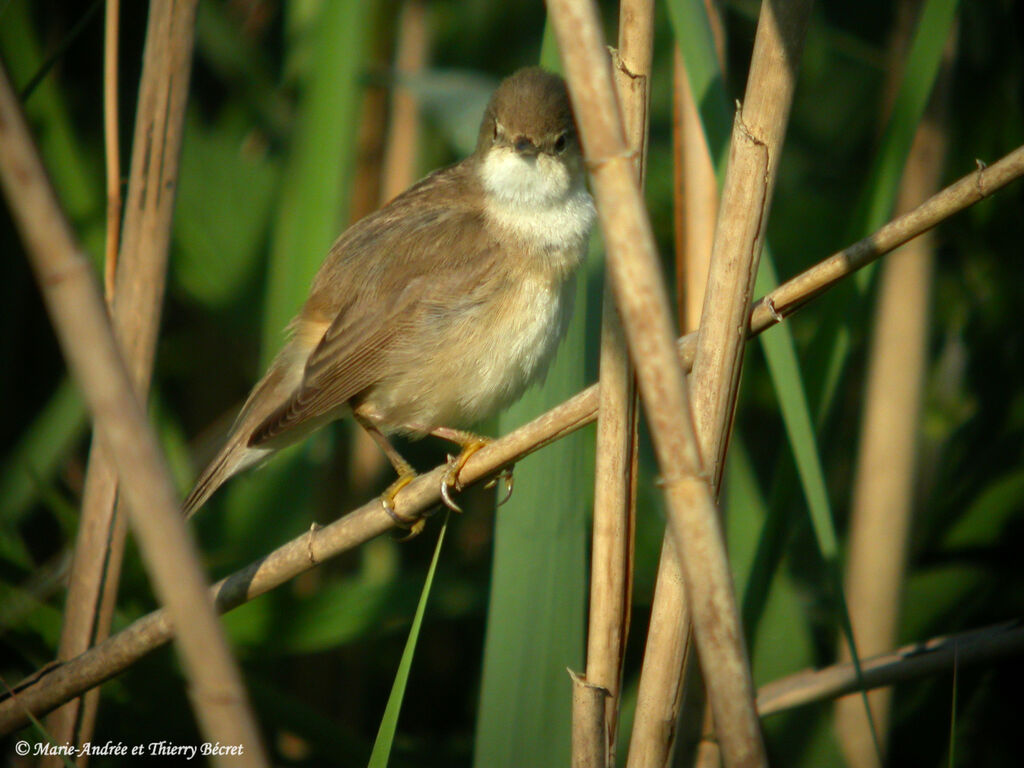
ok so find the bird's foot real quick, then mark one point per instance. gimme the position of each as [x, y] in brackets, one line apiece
[451, 480]
[387, 500]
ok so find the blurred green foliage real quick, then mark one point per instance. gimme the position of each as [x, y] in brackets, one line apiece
[266, 181]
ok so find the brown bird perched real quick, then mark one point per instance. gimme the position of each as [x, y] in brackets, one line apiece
[442, 307]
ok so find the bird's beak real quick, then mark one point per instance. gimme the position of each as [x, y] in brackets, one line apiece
[525, 147]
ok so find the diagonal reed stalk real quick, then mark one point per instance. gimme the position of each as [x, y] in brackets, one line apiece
[939, 654]
[55, 684]
[134, 291]
[91, 350]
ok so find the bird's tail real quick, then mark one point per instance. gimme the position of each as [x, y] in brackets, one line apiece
[236, 455]
[226, 464]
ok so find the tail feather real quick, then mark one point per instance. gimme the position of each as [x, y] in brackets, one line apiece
[226, 464]
[268, 395]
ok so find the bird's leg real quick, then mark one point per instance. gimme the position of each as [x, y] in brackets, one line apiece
[470, 444]
[406, 474]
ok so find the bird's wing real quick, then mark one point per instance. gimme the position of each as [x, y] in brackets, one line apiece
[415, 263]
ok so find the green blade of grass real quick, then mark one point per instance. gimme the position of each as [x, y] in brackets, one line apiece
[747, 516]
[781, 639]
[780, 353]
[692, 31]
[704, 73]
[922, 67]
[389, 722]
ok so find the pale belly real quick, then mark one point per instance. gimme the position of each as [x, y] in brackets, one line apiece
[501, 353]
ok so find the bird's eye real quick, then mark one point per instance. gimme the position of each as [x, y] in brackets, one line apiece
[561, 143]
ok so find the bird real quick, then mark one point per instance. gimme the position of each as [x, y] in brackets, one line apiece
[440, 308]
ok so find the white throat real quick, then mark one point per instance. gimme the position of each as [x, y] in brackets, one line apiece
[537, 199]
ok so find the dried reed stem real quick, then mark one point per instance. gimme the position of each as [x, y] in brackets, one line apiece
[757, 137]
[87, 340]
[402, 145]
[135, 288]
[714, 381]
[695, 202]
[112, 147]
[611, 569]
[590, 748]
[51, 686]
[907, 663]
[695, 199]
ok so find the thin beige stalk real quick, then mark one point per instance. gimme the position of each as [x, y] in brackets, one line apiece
[659, 697]
[883, 493]
[401, 148]
[643, 304]
[135, 291]
[755, 150]
[56, 683]
[910, 662]
[111, 146]
[611, 567]
[695, 200]
[87, 341]
[698, 199]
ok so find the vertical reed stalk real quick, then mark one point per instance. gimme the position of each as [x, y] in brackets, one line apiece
[883, 493]
[616, 458]
[112, 146]
[401, 149]
[643, 302]
[695, 201]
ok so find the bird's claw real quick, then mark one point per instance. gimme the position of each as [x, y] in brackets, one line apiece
[450, 481]
[507, 477]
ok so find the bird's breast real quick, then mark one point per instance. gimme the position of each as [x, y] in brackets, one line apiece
[514, 345]
[472, 362]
